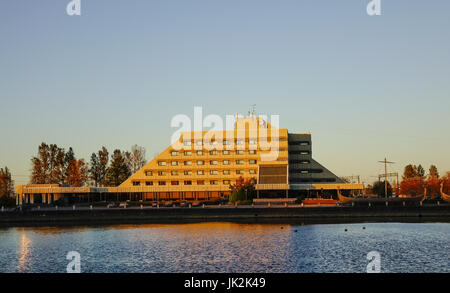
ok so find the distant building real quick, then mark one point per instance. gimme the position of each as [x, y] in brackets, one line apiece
[202, 165]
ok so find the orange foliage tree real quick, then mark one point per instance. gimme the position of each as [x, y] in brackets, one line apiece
[412, 186]
[76, 173]
[242, 190]
[433, 185]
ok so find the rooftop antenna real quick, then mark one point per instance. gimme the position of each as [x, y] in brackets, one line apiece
[385, 174]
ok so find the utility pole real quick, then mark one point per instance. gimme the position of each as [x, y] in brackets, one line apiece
[385, 175]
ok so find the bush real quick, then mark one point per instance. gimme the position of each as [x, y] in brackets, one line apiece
[379, 189]
[7, 201]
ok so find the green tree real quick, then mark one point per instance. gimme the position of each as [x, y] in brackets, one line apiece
[433, 172]
[103, 157]
[94, 169]
[118, 170]
[378, 188]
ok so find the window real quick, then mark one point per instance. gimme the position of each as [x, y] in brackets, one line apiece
[226, 162]
[187, 163]
[200, 163]
[213, 162]
[213, 182]
[161, 182]
[149, 183]
[174, 173]
[136, 183]
[252, 171]
[213, 152]
[226, 142]
[304, 171]
[282, 139]
[174, 153]
[239, 162]
[148, 173]
[162, 163]
[199, 142]
[239, 141]
[200, 182]
[226, 152]
[187, 142]
[252, 152]
[239, 172]
[226, 182]
[199, 153]
[252, 162]
[252, 141]
[161, 173]
[304, 153]
[174, 163]
[200, 172]
[187, 172]
[226, 172]
[213, 172]
[188, 182]
[175, 183]
[187, 153]
[239, 152]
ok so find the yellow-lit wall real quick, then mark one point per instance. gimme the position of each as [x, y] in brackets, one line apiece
[250, 131]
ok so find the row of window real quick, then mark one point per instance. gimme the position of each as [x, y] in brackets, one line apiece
[186, 182]
[201, 163]
[252, 141]
[212, 152]
[200, 172]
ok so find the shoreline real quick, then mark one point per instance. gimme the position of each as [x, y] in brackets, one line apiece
[242, 214]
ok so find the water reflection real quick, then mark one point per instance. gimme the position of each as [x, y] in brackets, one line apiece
[228, 247]
[24, 251]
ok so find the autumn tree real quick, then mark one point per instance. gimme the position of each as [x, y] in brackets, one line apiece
[410, 171]
[136, 158]
[118, 171]
[6, 183]
[6, 188]
[242, 190]
[49, 165]
[412, 186]
[433, 172]
[433, 185]
[76, 173]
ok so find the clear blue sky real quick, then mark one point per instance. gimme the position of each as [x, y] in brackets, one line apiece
[366, 87]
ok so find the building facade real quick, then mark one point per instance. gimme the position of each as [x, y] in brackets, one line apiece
[201, 165]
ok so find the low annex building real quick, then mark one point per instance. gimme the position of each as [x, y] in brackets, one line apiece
[201, 165]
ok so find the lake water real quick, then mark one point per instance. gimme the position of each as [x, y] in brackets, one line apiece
[228, 247]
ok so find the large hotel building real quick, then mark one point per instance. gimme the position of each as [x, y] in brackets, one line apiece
[201, 165]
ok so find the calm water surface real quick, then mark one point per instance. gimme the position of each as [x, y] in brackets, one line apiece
[228, 247]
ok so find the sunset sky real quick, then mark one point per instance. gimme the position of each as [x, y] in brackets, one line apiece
[366, 87]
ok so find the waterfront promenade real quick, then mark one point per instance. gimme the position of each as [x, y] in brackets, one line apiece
[148, 214]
